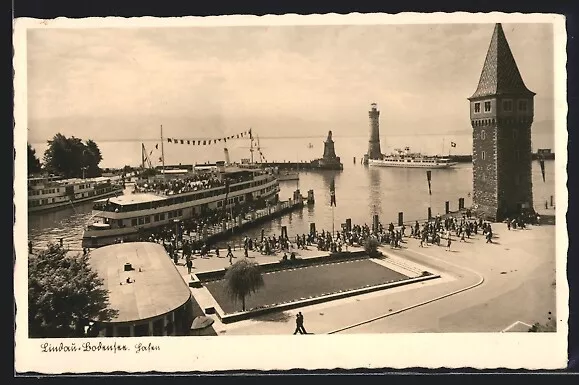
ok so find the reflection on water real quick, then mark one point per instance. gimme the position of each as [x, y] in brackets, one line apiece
[374, 188]
[360, 192]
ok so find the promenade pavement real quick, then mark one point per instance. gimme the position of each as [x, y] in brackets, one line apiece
[510, 280]
[519, 285]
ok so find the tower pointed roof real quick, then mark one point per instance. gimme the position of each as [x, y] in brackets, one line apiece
[500, 74]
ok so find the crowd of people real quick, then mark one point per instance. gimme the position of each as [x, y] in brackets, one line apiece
[177, 238]
[190, 182]
[174, 186]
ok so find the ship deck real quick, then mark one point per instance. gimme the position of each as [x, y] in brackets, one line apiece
[129, 199]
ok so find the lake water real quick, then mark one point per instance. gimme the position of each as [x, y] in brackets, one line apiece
[360, 192]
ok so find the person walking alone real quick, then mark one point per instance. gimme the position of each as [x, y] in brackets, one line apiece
[189, 263]
[489, 237]
[448, 243]
[229, 254]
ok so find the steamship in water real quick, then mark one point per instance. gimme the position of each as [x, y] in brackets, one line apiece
[54, 193]
[405, 158]
[161, 200]
[129, 216]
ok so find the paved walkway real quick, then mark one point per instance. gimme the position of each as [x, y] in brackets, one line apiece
[508, 281]
[519, 277]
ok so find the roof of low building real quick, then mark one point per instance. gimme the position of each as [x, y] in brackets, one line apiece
[157, 288]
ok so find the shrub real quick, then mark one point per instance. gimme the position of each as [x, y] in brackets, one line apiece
[371, 246]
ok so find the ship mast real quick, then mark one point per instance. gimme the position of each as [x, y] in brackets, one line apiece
[251, 145]
[162, 151]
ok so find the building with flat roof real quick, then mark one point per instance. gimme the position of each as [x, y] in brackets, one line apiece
[146, 290]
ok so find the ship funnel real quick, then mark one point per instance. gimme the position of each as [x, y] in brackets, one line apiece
[226, 153]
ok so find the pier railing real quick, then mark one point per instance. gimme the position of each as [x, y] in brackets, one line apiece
[230, 227]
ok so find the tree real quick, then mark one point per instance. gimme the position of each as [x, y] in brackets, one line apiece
[242, 279]
[93, 157]
[33, 161]
[71, 157]
[64, 294]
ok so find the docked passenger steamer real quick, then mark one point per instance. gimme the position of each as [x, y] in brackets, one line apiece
[160, 201]
[50, 193]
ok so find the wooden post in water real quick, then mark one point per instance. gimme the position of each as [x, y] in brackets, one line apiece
[400, 218]
[446, 207]
[429, 213]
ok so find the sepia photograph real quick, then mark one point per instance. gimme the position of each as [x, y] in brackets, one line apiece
[324, 183]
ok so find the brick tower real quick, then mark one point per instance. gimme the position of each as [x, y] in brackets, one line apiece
[501, 114]
[374, 151]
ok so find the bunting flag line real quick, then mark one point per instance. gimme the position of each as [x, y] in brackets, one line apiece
[333, 193]
[428, 177]
[157, 146]
[209, 141]
[452, 144]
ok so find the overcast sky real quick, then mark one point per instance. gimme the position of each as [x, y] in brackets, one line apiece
[109, 84]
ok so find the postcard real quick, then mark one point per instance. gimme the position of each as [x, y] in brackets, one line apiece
[290, 192]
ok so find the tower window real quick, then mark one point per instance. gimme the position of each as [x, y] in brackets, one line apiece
[483, 155]
[482, 135]
[507, 105]
[522, 105]
[477, 107]
[487, 106]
